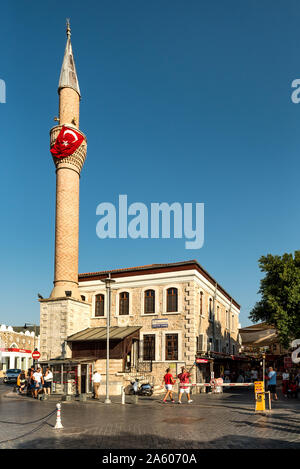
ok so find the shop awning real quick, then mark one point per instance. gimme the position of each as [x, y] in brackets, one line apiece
[259, 335]
[99, 333]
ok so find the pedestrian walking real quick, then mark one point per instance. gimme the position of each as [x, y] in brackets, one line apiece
[184, 379]
[30, 381]
[272, 382]
[38, 382]
[168, 381]
[48, 378]
[285, 382]
[292, 389]
[254, 375]
[96, 379]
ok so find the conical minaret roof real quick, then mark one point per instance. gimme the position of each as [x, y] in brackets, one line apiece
[68, 76]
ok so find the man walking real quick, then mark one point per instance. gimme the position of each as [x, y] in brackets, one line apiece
[96, 379]
[184, 384]
[272, 383]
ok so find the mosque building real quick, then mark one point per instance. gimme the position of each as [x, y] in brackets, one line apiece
[161, 315]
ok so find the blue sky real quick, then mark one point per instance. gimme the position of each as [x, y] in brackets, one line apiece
[181, 101]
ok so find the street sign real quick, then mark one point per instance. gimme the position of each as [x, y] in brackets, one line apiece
[36, 355]
[158, 323]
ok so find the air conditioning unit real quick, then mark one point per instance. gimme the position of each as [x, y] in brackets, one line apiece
[202, 343]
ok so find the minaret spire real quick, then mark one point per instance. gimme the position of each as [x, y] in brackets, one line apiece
[68, 76]
[67, 181]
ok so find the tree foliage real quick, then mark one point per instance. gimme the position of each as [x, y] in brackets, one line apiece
[280, 296]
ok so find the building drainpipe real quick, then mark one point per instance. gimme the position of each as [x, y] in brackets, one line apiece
[229, 341]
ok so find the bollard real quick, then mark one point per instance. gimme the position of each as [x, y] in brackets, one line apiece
[123, 394]
[58, 418]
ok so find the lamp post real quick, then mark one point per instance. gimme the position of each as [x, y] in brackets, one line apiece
[264, 368]
[108, 282]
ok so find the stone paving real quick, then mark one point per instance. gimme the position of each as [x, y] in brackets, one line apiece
[223, 421]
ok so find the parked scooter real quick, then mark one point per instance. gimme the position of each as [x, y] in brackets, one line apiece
[145, 389]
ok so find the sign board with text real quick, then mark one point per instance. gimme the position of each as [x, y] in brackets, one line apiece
[259, 390]
[158, 323]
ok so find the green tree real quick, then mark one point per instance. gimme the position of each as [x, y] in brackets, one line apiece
[280, 296]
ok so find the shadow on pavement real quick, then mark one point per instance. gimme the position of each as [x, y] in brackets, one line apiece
[149, 441]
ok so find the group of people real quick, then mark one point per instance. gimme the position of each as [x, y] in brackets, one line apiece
[290, 384]
[35, 381]
[184, 386]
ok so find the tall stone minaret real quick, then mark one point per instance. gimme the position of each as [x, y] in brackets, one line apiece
[65, 312]
[67, 182]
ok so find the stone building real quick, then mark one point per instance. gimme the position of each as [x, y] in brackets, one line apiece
[161, 314]
[16, 346]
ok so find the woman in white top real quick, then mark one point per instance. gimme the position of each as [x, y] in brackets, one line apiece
[48, 378]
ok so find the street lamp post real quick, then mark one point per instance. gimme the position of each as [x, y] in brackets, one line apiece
[264, 369]
[108, 282]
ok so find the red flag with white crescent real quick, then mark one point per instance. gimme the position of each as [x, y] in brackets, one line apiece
[67, 142]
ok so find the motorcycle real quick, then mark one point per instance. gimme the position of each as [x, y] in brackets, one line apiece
[145, 389]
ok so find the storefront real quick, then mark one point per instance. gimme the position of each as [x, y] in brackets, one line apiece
[222, 365]
[71, 377]
[90, 344]
[14, 357]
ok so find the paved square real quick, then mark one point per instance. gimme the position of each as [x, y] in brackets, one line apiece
[225, 421]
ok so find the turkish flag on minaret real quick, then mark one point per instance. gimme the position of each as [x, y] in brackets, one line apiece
[68, 140]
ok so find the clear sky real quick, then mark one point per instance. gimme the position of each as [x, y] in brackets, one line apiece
[181, 101]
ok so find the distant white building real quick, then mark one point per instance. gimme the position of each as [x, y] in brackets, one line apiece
[16, 347]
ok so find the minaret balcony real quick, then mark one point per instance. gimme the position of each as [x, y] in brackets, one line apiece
[77, 158]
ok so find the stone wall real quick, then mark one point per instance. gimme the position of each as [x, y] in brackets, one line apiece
[60, 318]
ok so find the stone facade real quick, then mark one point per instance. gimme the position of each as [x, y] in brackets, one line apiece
[190, 321]
[60, 318]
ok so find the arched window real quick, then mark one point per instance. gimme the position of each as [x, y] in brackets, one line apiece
[99, 305]
[124, 303]
[149, 306]
[172, 300]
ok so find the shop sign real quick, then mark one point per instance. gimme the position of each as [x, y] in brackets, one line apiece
[19, 350]
[202, 360]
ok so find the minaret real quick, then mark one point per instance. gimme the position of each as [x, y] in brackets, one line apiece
[65, 312]
[67, 182]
